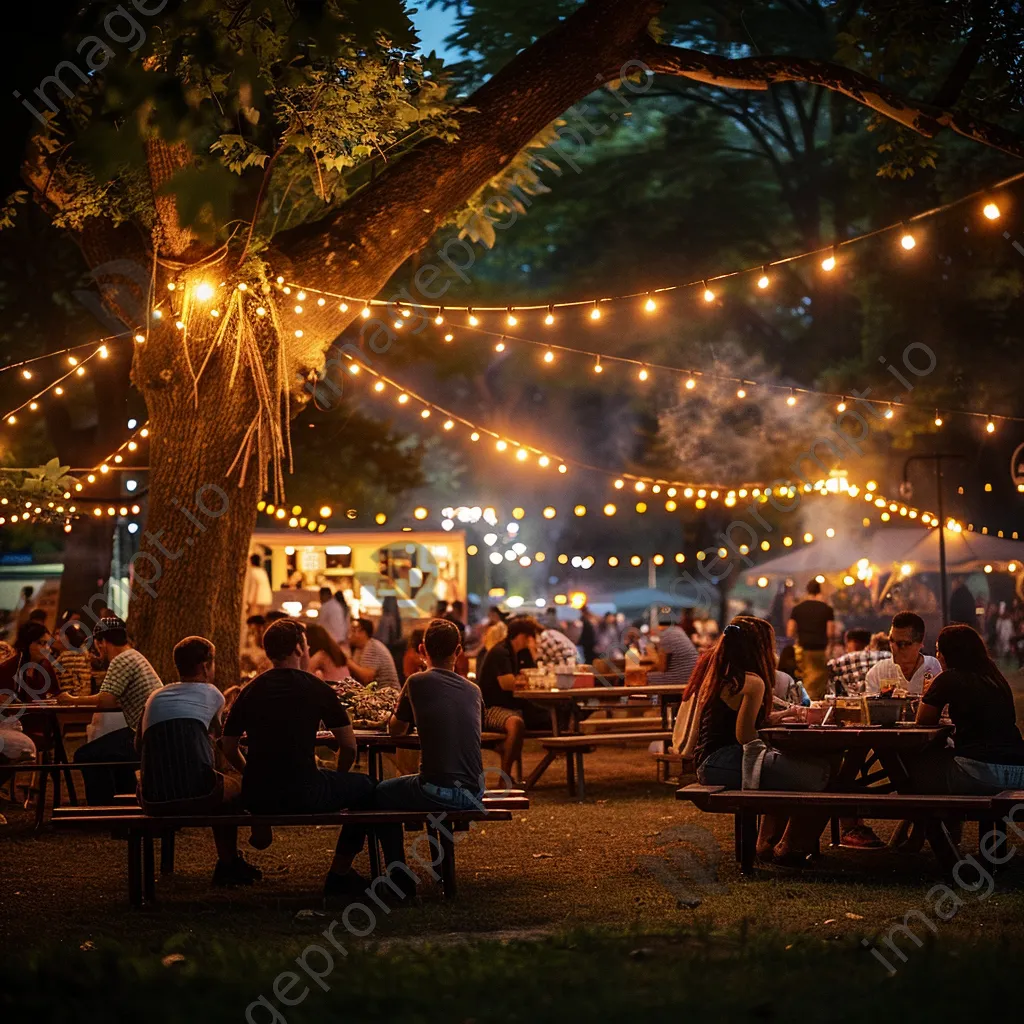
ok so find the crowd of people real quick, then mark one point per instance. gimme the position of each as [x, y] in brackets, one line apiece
[203, 750]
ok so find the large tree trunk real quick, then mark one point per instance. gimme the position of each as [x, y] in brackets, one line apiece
[186, 579]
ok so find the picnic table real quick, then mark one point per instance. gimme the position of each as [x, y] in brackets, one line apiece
[574, 701]
[55, 716]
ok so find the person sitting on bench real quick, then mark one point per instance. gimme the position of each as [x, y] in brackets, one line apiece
[503, 711]
[280, 713]
[447, 711]
[734, 701]
[988, 752]
[178, 777]
[129, 681]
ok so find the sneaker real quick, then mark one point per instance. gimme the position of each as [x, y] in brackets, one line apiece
[861, 837]
[236, 872]
[344, 889]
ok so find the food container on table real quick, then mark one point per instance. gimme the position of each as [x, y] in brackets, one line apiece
[882, 710]
[636, 675]
[583, 677]
[565, 679]
[848, 711]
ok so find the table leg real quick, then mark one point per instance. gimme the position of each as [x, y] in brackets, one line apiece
[541, 768]
[553, 712]
[135, 869]
[60, 756]
[448, 865]
[746, 823]
[581, 782]
[570, 773]
[373, 850]
[148, 868]
[167, 853]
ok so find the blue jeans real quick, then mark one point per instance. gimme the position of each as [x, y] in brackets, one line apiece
[723, 767]
[410, 793]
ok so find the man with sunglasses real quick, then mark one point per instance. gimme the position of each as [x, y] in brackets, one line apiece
[908, 669]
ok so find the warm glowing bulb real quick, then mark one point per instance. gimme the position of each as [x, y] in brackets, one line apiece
[990, 427]
[690, 383]
[402, 399]
[425, 414]
[474, 321]
[379, 386]
[762, 281]
[549, 356]
[204, 291]
[511, 320]
[595, 313]
[27, 374]
[544, 462]
[643, 374]
[261, 311]
[709, 295]
[449, 337]
[522, 454]
[501, 445]
[157, 314]
[140, 338]
[500, 347]
[549, 319]
[439, 319]
[741, 393]
[474, 436]
[80, 372]
[907, 241]
[841, 407]
[33, 406]
[828, 263]
[343, 307]
[298, 309]
[938, 420]
[58, 391]
[448, 424]
[991, 211]
[598, 368]
[791, 401]
[650, 306]
[365, 312]
[889, 413]
[72, 361]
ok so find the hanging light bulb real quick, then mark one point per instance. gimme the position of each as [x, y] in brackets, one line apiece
[690, 383]
[500, 347]
[511, 319]
[938, 419]
[204, 291]
[595, 313]
[157, 314]
[841, 406]
[650, 305]
[379, 386]
[908, 241]
[403, 399]
[709, 295]
[549, 356]
[140, 339]
[439, 319]
[365, 312]
[991, 211]
[598, 368]
[301, 296]
[791, 401]
[828, 264]
[343, 307]
[449, 336]
[643, 374]
[990, 427]
[741, 393]
[889, 413]
[473, 319]
[763, 281]
[550, 318]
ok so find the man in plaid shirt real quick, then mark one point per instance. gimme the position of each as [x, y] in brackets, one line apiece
[848, 672]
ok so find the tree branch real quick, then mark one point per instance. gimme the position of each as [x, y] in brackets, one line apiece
[758, 73]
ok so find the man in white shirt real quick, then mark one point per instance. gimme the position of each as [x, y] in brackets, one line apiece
[908, 669]
[257, 595]
[333, 614]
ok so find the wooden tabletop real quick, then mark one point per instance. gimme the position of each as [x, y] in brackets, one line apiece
[613, 694]
[818, 739]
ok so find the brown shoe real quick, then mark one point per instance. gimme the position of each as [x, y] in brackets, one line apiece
[861, 837]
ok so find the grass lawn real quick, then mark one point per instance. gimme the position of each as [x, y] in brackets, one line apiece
[626, 903]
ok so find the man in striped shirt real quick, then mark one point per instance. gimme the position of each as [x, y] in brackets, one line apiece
[129, 681]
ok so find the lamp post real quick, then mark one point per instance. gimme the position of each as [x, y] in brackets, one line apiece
[906, 490]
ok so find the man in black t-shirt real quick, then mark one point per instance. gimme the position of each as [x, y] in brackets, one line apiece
[503, 711]
[280, 713]
[812, 624]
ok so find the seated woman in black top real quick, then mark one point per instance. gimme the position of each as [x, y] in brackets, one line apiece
[988, 752]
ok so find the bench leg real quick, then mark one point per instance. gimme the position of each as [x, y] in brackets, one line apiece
[44, 776]
[942, 843]
[373, 850]
[581, 782]
[167, 853]
[447, 865]
[148, 868]
[570, 773]
[837, 837]
[746, 824]
[135, 869]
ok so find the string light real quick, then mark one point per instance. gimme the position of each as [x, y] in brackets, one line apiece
[595, 313]
[471, 318]
[709, 295]
[763, 281]
[598, 368]
[549, 356]
[991, 211]
[938, 419]
[690, 383]
[741, 393]
[990, 426]
[550, 318]
[643, 374]
[650, 305]
[791, 400]
[500, 347]
[511, 319]
[439, 319]
[908, 241]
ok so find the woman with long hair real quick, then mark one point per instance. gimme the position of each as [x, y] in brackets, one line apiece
[326, 658]
[734, 700]
[988, 751]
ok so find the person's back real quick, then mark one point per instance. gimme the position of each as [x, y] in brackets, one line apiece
[447, 710]
[680, 657]
[812, 618]
[280, 713]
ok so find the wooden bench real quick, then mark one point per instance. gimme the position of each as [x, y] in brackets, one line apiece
[670, 767]
[746, 805]
[48, 770]
[139, 830]
[575, 746]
